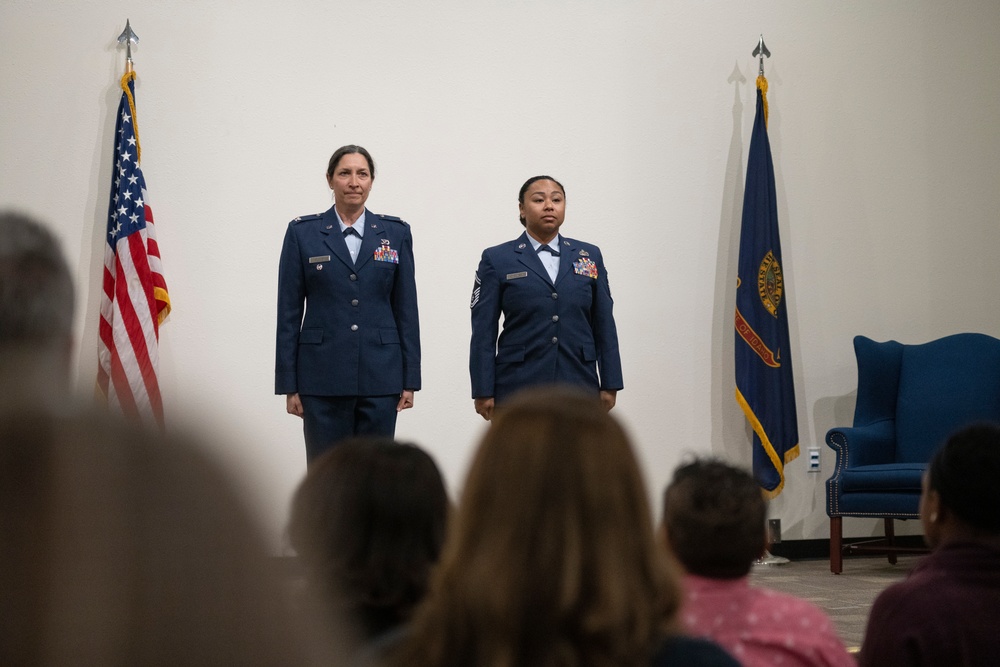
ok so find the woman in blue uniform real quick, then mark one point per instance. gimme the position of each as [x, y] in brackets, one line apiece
[553, 292]
[348, 338]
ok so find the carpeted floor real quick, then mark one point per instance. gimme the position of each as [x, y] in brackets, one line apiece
[845, 597]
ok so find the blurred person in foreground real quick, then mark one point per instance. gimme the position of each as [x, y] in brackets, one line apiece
[551, 558]
[36, 316]
[368, 522]
[947, 611]
[714, 522]
[124, 547]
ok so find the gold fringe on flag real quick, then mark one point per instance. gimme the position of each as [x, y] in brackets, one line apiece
[130, 76]
[761, 85]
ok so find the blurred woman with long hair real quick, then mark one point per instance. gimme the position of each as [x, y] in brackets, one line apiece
[551, 558]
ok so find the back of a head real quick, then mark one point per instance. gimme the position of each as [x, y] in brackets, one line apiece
[36, 309]
[369, 523]
[965, 473]
[714, 515]
[121, 547]
[552, 552]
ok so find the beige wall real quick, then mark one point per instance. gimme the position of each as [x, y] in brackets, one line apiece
[883, 130]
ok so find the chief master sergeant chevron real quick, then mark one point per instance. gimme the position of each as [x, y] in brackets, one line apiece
[348, 338]
[553, 292]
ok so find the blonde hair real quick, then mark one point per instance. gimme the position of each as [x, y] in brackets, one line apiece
[551, 559]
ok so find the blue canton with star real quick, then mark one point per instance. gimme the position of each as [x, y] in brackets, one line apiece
[126, 210]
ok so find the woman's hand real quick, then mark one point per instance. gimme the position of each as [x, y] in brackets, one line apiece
[608, 398]
[484, 407]
[405, 401]
[293, 404]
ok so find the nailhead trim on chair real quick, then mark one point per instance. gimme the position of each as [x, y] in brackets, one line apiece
[833, 504]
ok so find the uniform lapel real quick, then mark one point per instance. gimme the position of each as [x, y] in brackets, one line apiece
[371, 240]
[567, 255]
[334, 239]
[527, 256]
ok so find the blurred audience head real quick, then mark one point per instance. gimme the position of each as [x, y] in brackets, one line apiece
[551, 557]
[368, 522]
[961, 490]
[122, 547]
[36, 310]
[714, 519]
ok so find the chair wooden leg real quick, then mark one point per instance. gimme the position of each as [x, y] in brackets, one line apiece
[890, 539]
[836, 544]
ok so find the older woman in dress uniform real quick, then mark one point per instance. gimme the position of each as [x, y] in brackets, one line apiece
[348, 339]
[556, 303]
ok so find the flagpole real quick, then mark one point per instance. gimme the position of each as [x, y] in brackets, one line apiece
[128, 38]
[134, 301]
[761, 51]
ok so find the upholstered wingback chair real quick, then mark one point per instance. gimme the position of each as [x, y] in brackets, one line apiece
[910, 399]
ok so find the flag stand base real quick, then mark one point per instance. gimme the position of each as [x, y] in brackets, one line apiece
[770, 559]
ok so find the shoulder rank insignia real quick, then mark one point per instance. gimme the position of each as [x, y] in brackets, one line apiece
[304, 218]
[585, 267]
[391, 218]
[770, 284]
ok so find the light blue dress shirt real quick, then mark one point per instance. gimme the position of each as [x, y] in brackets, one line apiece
[353, 240]
[549, 261]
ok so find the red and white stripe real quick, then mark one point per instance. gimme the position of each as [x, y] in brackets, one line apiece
[133, 304]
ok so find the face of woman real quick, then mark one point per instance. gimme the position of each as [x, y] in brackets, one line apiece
[351, 182]
[543, 210]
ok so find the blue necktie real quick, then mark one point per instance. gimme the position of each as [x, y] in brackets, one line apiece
[555, 253]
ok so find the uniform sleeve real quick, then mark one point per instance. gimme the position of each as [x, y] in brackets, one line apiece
[485, 327]
[609, 360]
[404, 310]
[291, 306]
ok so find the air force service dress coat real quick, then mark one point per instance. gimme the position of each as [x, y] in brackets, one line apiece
[346, 328]
[562, 332]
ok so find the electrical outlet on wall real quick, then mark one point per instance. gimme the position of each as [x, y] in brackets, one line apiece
[814, 459]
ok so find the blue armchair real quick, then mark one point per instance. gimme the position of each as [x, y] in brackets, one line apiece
[910, 398]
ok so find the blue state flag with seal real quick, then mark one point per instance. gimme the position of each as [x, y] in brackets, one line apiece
[764, 385]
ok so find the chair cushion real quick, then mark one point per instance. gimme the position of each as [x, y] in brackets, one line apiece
[886, 477]
[943, 385]
[901, 505]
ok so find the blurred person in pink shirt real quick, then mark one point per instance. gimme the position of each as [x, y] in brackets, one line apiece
[714, 522]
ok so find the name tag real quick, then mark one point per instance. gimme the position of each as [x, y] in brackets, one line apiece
[318, 259]
[512, 276]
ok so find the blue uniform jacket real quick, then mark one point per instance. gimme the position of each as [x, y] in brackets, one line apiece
[347, 329]
[561, 333]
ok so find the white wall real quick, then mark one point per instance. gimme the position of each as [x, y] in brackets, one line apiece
[883, 131]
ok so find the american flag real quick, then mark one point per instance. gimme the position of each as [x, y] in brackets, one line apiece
[135, 300]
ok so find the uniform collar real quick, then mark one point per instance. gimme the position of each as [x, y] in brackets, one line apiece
[535, 244]
[359, 224]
